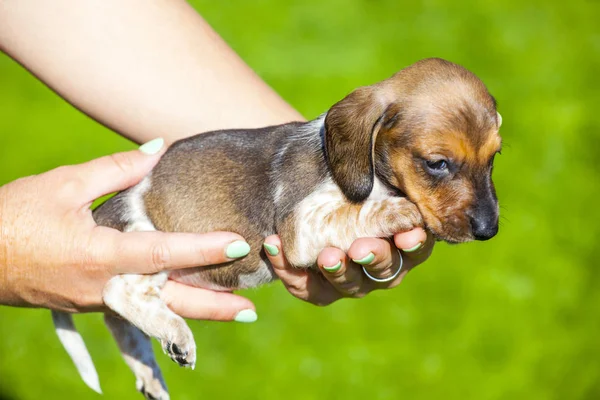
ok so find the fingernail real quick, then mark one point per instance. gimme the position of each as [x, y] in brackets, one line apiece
[367, 260]
[415, 248]
[153, 146]
[334, 268]
[237, 249]
[272, 250]
[246, 316]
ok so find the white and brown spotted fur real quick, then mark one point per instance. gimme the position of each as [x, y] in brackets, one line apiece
[363, 169]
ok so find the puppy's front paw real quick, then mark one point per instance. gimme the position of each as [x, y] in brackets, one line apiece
[181, 346]
[399, 214]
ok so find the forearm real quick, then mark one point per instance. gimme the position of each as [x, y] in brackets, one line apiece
[144, 69]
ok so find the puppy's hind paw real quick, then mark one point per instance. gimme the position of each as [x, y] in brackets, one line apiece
[182, 353]
[152, 389]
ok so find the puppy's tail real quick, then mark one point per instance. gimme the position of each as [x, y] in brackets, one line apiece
[73, 343]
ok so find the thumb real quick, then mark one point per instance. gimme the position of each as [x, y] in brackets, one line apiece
[119, 171]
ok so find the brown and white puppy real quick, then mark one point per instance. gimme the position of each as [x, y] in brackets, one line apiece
[414, 150]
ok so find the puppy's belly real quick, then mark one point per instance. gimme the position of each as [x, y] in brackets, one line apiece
[193, 277]
[198, 277]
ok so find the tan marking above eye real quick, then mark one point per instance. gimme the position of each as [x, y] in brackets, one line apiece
[456, 148]
[453, 146]
[490, 147]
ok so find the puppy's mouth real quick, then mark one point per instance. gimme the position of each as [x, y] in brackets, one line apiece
[448, 232]
[450, 239]
[452, 229]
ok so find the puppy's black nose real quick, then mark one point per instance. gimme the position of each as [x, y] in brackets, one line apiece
[484, 228]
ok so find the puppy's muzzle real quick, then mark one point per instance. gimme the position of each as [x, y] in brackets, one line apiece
[484, 214]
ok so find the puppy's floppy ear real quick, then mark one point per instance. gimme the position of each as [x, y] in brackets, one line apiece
[351, 127]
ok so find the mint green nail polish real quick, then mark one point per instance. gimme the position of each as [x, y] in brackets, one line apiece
[237, 249]
[272, 250]
[153, 146]
[415, 248]
[334, 268]
[367, 260]
[246, 316]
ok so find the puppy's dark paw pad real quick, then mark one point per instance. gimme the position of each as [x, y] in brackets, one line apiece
[184, 356]
[176, 350]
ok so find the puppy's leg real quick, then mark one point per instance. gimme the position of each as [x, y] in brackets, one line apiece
[137, 352]
[339, 223]
[136, 298]
[384, 218]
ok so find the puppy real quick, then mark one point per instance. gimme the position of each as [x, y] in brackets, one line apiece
[414, 150]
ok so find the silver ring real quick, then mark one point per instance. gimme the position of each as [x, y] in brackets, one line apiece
[390, 278]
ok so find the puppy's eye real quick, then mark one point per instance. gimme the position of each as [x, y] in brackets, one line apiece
[437, 166]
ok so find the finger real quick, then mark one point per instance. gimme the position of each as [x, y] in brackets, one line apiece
[118, 171]
[378, 256]
[151, 252]
[418, 256]
[294, 279]
[272, 247]
[202, 304]
[410, 241]
[345, 276]
[303, 283]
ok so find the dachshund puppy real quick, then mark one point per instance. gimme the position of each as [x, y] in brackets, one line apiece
[414, 150]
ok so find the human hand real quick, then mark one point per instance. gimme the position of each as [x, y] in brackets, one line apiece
[53, 255]
[340, 276]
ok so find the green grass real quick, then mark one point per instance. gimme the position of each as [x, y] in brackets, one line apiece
[514, 318]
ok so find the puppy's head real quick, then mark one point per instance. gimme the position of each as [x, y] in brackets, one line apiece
[430, 132]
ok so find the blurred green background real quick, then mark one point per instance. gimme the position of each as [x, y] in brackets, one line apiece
[517, 317]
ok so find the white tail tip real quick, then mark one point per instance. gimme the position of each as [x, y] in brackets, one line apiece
[74, 345]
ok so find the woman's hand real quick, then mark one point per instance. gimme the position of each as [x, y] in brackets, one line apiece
[340, 275]
[53, 255]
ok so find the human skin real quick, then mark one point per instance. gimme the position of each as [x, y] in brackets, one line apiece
[150, 70]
